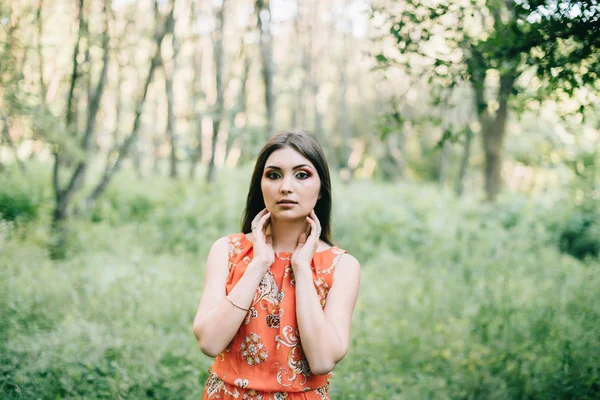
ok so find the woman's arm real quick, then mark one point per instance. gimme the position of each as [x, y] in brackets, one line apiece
[325, 333]
[217, 320]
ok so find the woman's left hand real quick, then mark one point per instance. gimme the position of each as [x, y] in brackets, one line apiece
[305, 250]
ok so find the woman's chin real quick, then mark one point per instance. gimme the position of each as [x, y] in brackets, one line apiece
[287, 215]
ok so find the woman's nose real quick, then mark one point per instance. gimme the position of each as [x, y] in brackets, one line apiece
[285, 186]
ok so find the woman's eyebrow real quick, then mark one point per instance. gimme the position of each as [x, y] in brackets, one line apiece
[296, 167]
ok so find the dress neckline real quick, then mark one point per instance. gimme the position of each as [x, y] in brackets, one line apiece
[287, 255]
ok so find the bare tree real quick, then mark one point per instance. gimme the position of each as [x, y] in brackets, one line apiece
[266, 54]
[169, 68]
[313, 52]
[344, 120]
[64, 194]
[11, 72]
[112, 168]
[196, 92]
[464, 161]
[218, 105]
[444, 163]
[239, 107]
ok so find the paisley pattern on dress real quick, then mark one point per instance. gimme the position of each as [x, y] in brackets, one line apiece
[322, 392]
[322, 290]
[288, 271]
[215, 387]
[273, 320]
[227, 350]
[252, 313]
[267, 291]
[252, 395]
[241, 383]
[338, 254]
[296, 361]
[234, 247]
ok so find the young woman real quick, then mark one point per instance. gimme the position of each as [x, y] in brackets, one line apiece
[278, 297]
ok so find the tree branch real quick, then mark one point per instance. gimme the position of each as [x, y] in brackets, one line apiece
[110, 171]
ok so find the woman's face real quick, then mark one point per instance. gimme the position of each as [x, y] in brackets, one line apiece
[290, 184]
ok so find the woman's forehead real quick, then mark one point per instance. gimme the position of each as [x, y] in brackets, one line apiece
[287, 157]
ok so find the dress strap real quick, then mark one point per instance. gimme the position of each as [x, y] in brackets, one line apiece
[328, 260]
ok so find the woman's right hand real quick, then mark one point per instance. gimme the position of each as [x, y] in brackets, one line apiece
[264, 255]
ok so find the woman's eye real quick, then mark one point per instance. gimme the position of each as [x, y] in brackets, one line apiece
[302, 175]
[273, 175]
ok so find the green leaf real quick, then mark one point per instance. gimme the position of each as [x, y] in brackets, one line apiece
[381, 58]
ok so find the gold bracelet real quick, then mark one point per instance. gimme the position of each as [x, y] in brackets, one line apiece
[235, 305]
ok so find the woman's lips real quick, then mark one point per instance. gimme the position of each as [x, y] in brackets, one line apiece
[286, 204]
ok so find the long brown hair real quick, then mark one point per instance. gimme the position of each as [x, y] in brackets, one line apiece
[308, 146]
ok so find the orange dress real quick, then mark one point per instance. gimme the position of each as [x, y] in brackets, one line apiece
[265, 361]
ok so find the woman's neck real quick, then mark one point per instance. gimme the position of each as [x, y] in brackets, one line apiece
[285, 234]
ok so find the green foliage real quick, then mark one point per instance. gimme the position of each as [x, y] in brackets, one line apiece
[21, 197]
[458, 299]
[580, 230]
[560, 42]
[174, 213]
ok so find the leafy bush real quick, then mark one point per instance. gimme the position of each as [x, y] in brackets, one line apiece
[20, 198]
[580, 231]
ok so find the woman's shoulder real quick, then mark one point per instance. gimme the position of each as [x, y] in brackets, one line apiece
[336, 256]
[347, 270]
[229, 246]
[345, 260]
[224, 242]
[220, 245]
[230, 237]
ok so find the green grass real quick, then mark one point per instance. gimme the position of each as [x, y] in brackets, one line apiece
[459, 300]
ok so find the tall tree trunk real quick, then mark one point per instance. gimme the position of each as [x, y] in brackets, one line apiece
[196, 92]
[464, 162]
[297, 105]
[218, 106]
[314, 55]
[156, 139]
[169, 71]
[345, 123]
[195, 114]
[493, 125]
[304, 38]
[393, 162]
[494, 130]
[65, 196]
[444, 163]
[239, 108]
[264, 25]
[60, 209]
[8, 138]
[40, 27]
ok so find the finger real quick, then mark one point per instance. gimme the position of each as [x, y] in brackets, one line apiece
[269, 240]
[317, 222]
[258, 217]
[261, 223]
[301, 240]
[313, 228]
[307, 229]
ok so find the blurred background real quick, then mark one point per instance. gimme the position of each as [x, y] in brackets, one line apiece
[464, 143]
